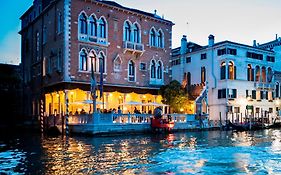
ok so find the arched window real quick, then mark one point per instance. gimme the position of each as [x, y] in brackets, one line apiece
[94, 61]
[263, 74]
[83, 23]
[257, 70]
[136, 33]
[223, 71]
[93, 26]
[152, 37]
[231, 71]
[127, 31]
[153, 69]
[102, 28]
[117, 64]
[203, 74]
[160, 39]
[250, 73]
[83, 60]
[131, 70]
[159, 70]
[102, 63]
[277, 90]
[269, 75]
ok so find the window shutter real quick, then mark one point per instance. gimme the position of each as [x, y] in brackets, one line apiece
[222, 72]
[234, 93]
[234, 72]
[266, 95]
[254, 94]
[253, 74]
[247, 93]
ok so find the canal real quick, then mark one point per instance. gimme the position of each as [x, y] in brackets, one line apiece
[206, 152]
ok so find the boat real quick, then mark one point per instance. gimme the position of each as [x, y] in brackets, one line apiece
[245, 126]
[161, 124]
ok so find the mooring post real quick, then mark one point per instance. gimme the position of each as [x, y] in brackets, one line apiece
[220, 122]
[42, 116]
[66, 113]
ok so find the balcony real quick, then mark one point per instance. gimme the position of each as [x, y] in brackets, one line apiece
[263, 85]
[92, 39]
[133, 47]
[157, 82]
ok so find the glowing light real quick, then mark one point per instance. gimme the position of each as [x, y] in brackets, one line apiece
[144, 96]
[181, 109]
[71, 92]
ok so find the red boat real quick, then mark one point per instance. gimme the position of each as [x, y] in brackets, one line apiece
[161, 124]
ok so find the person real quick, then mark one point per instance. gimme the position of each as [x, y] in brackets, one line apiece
[82, 111]
[136, 110]
[157, 112]
[76, 112]
[119, 110]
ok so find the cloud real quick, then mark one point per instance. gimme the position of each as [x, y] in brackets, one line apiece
[10, 48]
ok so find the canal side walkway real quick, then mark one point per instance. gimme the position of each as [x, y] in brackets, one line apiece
[108, 124]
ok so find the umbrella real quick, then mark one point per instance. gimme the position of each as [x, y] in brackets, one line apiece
[154, 104]
[131, 103]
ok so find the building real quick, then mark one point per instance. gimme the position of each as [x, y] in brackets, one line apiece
[231, 80]
[61, 40]
[11, 92]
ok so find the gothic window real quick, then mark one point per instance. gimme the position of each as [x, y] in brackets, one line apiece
[223, 71]
[257, 73]
[83, 60]
[231, 71]
[102, 26]
[102, 63]
[203, 74]
[93, 26]
[160, 39]
[131, 70]
[269, 75]
[159, 70]
[263, 74]
[83, 23]
[153, 69]
[117, 64]
[136, 33]
[250, 73]
[152, 37]
[127, 31]
[94, 61]
[59, 23]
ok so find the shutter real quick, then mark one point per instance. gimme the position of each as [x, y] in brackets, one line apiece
[253, 74]
[254, 94]
[222, 72]
[247, 93]
[234, 93]
[266, 95]
[234, 72]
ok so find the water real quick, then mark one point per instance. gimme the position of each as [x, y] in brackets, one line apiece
[210, 152]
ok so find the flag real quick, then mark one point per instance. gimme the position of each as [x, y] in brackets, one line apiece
[101, 77]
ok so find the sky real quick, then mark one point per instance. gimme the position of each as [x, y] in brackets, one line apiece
[240, 21]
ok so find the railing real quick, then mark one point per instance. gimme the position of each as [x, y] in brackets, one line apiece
[131, 46]
[92, 39]
[262, 85]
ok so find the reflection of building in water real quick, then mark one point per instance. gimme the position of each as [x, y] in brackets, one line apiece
[63, 41]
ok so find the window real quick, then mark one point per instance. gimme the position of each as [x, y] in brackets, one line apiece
[221, 93]
[160, 39]
[102, 26]
[221, 51]
[188, 60]
[159, 70]
[231, 51]
[142, 66]
[189, 79]
[93, 26]
[127, 32]
[254, 55]
[277, 90]
[153, 37]
[257, 73]
[223, 71]
[263, 74]
[226, 51]
[270, 58]
[59, 23]
[232, 93]
[59, 62]
[83, 24]
[153, 69]
[83, 60]
[231, 71]
[250, 73]
[176, 62]
[136, 33]
[102, 63]
[131, 70]
[254, 94]
[203, 56]
[37, 46]
[203, 74]
[44, 35]
[269, 75]
[94, 61]
[117, 64]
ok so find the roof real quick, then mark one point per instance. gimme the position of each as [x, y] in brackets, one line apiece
[112, 3]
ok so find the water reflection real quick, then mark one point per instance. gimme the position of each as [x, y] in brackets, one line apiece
[177, 153]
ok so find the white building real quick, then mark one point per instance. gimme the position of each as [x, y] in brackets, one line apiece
[231, 77]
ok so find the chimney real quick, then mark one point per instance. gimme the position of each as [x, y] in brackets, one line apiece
[211, 40]
[276, 36]
[255, 43]
[183, 45]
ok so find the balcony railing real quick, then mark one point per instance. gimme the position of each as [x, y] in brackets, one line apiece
[92, 39]
[133, 47]
[263, 85]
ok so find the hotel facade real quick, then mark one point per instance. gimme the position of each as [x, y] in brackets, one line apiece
[234, 80]
[62, 39]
